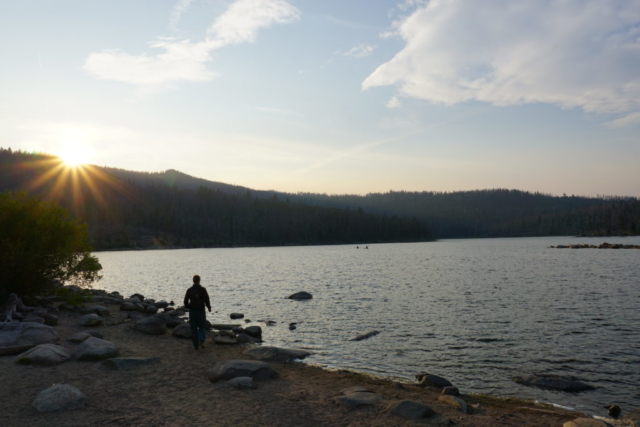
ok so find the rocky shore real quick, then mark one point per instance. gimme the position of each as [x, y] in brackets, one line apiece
[129, 362]
[604, 245]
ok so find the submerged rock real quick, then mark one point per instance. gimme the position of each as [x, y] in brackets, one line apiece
[553, 382]
[365, 336]
[300, 296]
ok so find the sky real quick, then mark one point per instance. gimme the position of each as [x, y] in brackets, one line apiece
[332, 96]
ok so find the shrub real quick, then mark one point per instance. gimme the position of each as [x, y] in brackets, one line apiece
[41, 244]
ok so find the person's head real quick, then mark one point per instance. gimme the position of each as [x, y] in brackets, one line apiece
[196, 279]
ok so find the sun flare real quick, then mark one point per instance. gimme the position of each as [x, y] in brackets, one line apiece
[75, 155]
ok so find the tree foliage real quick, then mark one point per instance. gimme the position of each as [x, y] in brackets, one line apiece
[40, 244]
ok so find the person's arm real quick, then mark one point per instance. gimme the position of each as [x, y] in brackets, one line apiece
[186, 299]
[206, 300]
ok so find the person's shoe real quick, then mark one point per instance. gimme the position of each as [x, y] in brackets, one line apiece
[202, 344]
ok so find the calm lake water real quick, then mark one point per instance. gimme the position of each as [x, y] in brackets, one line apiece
[477, 312]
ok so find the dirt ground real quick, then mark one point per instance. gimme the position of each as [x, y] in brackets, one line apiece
[176, 391]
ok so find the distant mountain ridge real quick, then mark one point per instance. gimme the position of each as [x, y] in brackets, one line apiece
[461, 214]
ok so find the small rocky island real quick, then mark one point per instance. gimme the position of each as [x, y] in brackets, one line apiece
[604, 245]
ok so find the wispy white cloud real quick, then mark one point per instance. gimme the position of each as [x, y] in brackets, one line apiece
[630, 119]
[179, 9]
[394, 102]
[276, 111]
[360, 51]
[574, 54]
[183, 60]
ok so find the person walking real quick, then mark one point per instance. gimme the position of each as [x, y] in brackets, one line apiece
[195, 300]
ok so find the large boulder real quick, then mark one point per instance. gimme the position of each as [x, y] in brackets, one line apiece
[553, 382]
[23, 333]
[275, 354]
[182, 331]
[352, 397]
[96, 349]
[300, 296]
[45, 355]
[100, 310]
[90, 320]
[430, 380]
[410, 409]
[241, 368]
[60, 397]
[79, 337]
[254, 331]
[151, 326]
[121, 364]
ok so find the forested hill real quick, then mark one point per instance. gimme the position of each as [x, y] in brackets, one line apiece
[500, 212]
[174, 208]
[130, 209]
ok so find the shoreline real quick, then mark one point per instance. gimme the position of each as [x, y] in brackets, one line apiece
[302, 395]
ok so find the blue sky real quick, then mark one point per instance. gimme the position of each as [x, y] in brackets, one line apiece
[347, 96]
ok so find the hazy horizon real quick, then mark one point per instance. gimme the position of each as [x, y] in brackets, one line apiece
[333, 97]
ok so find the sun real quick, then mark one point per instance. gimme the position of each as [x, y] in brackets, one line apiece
[75, 155]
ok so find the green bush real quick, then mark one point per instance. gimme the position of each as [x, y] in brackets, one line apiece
[41, 244]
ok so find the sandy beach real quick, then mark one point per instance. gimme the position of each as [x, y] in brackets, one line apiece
[177, 392]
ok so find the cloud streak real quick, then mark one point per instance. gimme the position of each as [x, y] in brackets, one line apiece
[573, 54]
[183, 60]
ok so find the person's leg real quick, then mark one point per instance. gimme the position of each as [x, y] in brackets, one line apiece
[193, 323]
[202, 326]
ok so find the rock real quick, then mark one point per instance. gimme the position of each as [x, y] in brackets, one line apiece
[139, 308]
[161, 304]
[60, 397]
[275, 354]
[151, 326]
[246, 339]
[50, 319]
[135, 316]
[586, 422]
[223, 327]
[410, 409]
[182, 331]
[79, 337]
[365, 336]
[149, 301]
[100, 310]
[300, 296]
[451, 391]
[223, 340]
[137, 296]
[242, 382]
[45, 355]
[23, 333]
[176, 313]
[354, 389]
[106, 299]
[95, 334]
[127, 306]
[241, 368]
[553, 382]
[429, 380]
[353, 400]
[456, 402]
[151, 309]
[90, 320]
[613, 411]
[32, 319]
[173, 322]
[121, 364]
[229, 334]
[254, 331]
[236, 315]
[95, 349]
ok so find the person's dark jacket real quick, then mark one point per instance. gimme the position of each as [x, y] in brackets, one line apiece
[196, 298]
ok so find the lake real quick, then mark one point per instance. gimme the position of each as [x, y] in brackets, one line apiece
[476, 312]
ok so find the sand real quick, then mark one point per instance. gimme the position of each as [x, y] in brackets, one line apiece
[176, 391]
